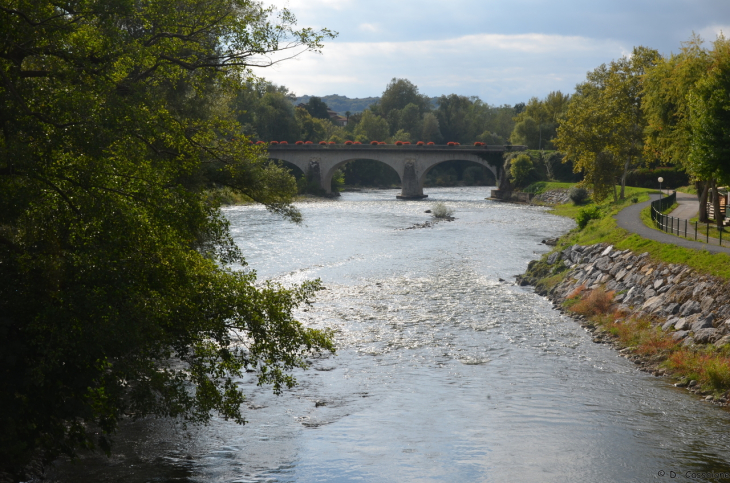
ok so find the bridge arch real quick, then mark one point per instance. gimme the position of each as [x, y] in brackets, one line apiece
[330, 170]
[472, 159]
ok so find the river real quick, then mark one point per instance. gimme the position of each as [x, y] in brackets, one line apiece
[443, 372]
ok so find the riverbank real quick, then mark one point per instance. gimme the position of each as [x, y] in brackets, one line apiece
[671, 318]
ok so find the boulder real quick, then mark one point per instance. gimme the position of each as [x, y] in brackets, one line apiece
[706, 303]
[703, 323]
[681, 324]
[689, 307]
[705, 336]
[680, 334]
[554, 257]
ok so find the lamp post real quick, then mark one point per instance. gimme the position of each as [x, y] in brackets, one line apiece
[661, 180]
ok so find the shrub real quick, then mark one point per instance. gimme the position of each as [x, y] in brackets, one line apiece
[597, 302]
[323, 142]
[357, 142]
[332, 142]
[374, 142]
[578, 195]
[440, 210]
[399, 143]
[307, 142]
[451, 143]
[634, 199]
[587, 214]
[349, 143]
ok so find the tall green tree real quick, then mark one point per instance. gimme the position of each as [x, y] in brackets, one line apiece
[604, 121]
[372, 127]
[117, 297]
[709, 109]
[398, 94]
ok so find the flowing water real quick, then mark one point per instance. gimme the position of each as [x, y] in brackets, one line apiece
[443, 372]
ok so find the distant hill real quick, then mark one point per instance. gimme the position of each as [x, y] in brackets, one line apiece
[341, 104]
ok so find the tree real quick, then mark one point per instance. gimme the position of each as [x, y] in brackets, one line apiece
[452, 116]
[398, 94]
[317, 108]
[430, 131]
[709, 109]
[117, 299]
[520, 168]
[666, 90]
[526, 133]
[372, 127]
[604, 122]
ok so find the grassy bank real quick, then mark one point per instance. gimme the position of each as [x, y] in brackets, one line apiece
[605, 230]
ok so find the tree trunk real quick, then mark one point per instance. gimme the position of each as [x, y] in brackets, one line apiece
[716, 205]
[615, 196]
[627, 164]
[703, 200]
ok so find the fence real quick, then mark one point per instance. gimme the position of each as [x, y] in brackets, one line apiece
[679, 226]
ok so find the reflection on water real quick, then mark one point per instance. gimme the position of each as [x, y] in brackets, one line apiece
[443, 372]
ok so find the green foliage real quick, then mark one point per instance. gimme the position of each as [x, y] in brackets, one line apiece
[520, 168]
[317, 108]
[587, 214]
[399, 93]
[578, 195]
[647, 178]
[526, 133]
[372, 127]
[116, 298]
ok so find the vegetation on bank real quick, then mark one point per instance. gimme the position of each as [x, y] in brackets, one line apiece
[708, 366]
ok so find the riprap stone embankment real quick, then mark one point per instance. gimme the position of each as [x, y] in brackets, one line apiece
[692, 307]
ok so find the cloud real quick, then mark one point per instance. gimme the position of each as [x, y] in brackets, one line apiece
[711, 32]
[499, 68]
[368, 27]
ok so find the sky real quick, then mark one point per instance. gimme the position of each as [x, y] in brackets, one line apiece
[501, 51]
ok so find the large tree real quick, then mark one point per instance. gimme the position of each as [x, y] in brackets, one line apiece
[115, 297]
[603, 128]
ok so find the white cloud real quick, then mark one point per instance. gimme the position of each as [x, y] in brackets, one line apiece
[498, 68]
[711, 32]
[368, 27]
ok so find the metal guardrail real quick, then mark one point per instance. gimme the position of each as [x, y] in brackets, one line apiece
[677, 226]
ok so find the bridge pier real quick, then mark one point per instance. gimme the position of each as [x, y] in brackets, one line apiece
[411, 187]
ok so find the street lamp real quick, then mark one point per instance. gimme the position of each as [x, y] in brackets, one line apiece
[661, 180]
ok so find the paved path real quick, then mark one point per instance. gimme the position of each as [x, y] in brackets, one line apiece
[689, 206]
[630, 219]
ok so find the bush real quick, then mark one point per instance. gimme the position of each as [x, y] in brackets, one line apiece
[440, 210]
[578, 195]
[587, 214]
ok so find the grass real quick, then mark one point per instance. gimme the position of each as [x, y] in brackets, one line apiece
[690, 190]
[543, 186]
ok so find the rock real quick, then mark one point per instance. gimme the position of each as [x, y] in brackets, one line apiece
[554, 257]
[689, 307]
[658, 283]
[607, 251]
[704, 336]
[603, 264]
[670, 309]
[669, 324]
[427, 211]
[680, 334]
[550, 241]
[706, 303]
[722, 341]
[681, 324]
[703, 323]
[652, 303]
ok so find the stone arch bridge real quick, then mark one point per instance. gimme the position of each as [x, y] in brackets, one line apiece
[411, 162]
